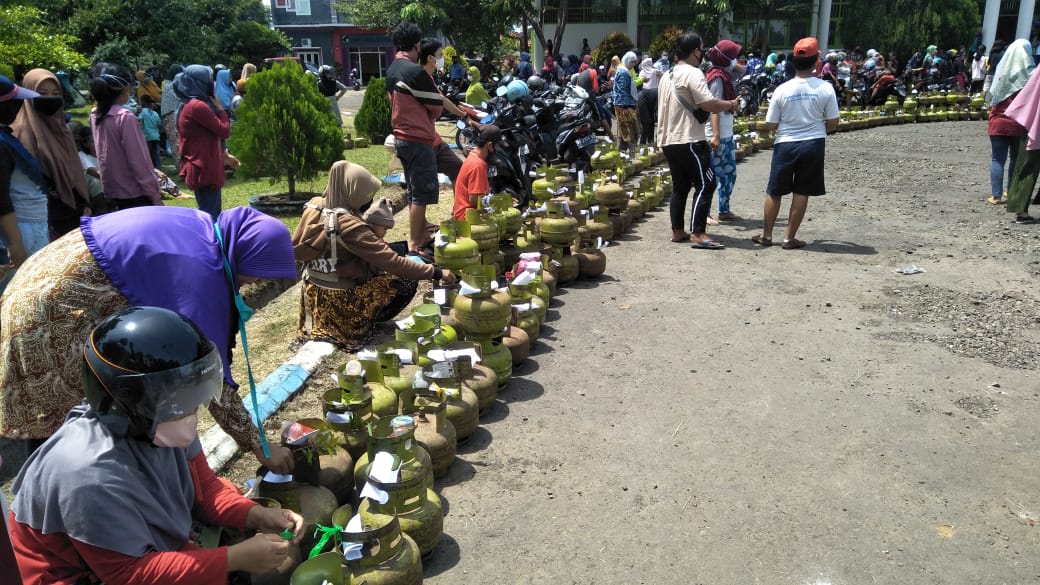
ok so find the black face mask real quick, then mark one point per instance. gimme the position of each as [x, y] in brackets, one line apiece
[48, 105]
[9, 111]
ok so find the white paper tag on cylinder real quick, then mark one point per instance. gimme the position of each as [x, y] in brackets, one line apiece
[339, 417]
[273, 477]
[466, 288]
[600, 244]
[383, 468]
[373, 493]
[367, 354]
[530, 256]
[440, 296]
[405, 355]
[581, 177]
[405, 323]
[352, 550]
[523, 278]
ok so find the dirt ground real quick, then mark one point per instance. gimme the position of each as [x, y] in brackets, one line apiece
[769, 416]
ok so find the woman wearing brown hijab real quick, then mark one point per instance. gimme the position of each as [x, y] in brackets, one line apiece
[41, 129]
[352, 278]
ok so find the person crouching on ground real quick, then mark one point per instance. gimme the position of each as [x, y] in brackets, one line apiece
[352, 278]
[113, 495]
[802, 111]
[473, 178]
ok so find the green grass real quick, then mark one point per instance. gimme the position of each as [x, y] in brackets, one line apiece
[238, 189]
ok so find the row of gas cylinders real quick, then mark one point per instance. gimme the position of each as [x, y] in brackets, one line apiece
[570, 229]
[414, 399]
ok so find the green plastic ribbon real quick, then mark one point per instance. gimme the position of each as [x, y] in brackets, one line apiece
[327, 532]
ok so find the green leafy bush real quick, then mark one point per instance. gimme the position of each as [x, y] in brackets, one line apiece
[285, 128]
[373, 117]
[665, 41]
[615, 43]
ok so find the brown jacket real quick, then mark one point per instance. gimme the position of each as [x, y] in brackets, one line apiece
[360, 255]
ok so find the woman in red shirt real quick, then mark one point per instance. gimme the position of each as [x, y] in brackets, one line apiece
[112, 496]
[202, 127]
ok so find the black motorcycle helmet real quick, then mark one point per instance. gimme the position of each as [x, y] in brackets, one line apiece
[149, 365]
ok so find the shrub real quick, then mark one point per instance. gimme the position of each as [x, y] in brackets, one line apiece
[665, 41]
[285, 128]
[373, 117]
[615, 43]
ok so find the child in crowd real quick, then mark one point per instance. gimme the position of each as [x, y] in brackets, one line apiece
[85, 147]
[150, 125]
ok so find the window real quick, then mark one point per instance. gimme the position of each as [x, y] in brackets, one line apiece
[586, 11]
[281, 3]
[303, 7]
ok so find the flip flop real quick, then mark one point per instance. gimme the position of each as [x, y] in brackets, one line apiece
[764, 242]
[793, 244]
[708, 245]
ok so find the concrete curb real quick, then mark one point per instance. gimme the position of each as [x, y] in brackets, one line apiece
[271, 393]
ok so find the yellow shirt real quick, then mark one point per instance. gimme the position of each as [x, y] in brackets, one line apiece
[676, 124]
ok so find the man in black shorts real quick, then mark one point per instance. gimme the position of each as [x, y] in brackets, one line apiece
[415, 104]
[802, 111]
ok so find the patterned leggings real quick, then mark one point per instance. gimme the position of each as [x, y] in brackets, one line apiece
[724, 163]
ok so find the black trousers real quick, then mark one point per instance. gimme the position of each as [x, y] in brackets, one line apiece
[690, 165]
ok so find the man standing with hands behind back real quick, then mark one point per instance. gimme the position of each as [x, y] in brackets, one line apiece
[803, 111]
[683, 106]
[415, 103]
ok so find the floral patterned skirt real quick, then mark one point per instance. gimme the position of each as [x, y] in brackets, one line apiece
[46, 313]
[346, 317]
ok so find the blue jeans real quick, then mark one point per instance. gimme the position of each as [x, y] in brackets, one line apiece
[208, 200]
[1000, 145]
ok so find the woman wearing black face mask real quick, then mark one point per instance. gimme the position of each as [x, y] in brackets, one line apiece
[40, 127]
[23, 203]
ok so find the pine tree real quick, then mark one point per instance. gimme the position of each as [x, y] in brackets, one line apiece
[373, 117]
[285, 127]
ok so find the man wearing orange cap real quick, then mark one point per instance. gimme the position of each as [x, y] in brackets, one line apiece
[802, 111]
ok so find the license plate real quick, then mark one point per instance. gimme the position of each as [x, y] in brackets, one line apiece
[586, 141]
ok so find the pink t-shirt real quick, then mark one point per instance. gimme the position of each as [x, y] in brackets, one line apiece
[122, 153]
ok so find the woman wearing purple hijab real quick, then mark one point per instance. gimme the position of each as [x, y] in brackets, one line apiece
[166, 257]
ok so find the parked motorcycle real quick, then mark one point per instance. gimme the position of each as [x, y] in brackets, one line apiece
[752, 91]
[511, 166]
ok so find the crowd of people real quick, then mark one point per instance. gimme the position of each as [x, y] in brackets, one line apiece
[116, 327]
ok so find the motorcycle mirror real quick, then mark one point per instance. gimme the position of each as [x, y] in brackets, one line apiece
[460, 125]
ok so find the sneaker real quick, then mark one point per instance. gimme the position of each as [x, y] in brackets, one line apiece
[1025, 219]
[994, 201]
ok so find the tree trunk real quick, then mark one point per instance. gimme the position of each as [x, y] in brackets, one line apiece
[536, 26]
[561, 24]
[525, 45]
[292, 184]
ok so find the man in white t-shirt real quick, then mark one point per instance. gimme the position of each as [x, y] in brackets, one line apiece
[802, 111]
[682, 96]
